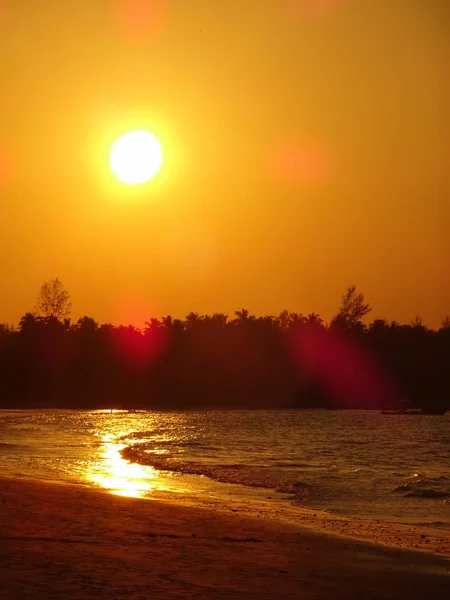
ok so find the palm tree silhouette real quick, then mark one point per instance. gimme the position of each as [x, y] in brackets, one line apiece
[296, 319]
[243, 316]
[314, 319]
[152, 326]
[192, 319]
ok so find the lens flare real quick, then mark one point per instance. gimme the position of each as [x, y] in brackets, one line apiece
[7, 170]
[341, 367]
[141, 19]
[136, 347]
[302, 163]
[315, 7]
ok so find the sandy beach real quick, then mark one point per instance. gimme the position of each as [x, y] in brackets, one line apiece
[61, 541]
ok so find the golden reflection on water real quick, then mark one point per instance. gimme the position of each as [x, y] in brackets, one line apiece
[120, 477]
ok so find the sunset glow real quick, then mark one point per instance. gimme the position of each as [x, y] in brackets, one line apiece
[225, 318]
[199, 158]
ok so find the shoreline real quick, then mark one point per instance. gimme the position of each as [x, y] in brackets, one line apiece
[391, 533]
[406, 536]
[412, 537]
[81, 542]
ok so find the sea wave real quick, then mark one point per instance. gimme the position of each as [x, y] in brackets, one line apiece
[430, 493]
[236, 473]
[7, 445]
[295, 465]
[419, 485]
[132, 435]
[404, 487]
[145, 439]
[286, 487]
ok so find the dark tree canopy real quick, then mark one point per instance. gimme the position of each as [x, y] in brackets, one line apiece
[446, 323]
[212, 361]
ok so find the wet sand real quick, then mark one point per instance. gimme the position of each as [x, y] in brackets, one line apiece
[413, 536]
[60, 541]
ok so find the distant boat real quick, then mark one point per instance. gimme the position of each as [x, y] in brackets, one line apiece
[403, 408]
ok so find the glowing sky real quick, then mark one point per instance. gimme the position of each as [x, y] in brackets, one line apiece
[306, 147]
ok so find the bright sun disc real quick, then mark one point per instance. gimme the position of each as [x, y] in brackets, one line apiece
[136, 157]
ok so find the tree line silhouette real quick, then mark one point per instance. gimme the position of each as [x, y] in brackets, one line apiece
[212, 361]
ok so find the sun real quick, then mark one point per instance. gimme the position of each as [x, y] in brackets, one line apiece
[136, 157]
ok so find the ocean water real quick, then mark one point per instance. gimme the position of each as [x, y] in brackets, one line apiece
[352, 463]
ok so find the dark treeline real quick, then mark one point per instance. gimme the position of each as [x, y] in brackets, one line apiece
[212, 361]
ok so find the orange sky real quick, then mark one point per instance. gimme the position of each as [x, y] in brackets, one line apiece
[306, 147]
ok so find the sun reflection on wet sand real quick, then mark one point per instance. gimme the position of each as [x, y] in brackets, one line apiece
[121, 477]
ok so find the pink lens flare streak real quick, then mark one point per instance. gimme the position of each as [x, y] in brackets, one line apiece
[141, 19]
[301, 163]
[8, 169]
[344, 369]
[302, 8]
